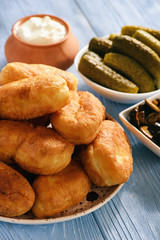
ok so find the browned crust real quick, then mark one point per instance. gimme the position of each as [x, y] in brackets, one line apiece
[16, 194]
[80, 119]
[108, 160]
[38, 150]
[16, 71]
[56, 193]
[33, 97]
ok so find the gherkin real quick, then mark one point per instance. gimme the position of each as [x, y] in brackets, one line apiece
[148, 40]
[131, 69]
[130, 30]
[140, 52]
[100, 45]
[98, 72]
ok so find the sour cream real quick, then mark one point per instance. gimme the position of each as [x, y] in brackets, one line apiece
[41, 31]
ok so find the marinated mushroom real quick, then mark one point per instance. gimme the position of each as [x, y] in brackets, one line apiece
[146, 117]
[145, 131]
[153, 117]
[152, 105]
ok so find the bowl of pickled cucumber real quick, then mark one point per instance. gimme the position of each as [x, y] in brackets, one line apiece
[122, 67]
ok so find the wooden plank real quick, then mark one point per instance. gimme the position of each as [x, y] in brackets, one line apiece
[66, 10]
[134, 211]
[8, 233]
[80, 229]
[110, 15]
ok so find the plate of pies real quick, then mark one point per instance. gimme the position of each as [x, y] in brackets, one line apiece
[62, 155]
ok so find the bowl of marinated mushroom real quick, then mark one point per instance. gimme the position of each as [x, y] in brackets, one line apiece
[143, 120]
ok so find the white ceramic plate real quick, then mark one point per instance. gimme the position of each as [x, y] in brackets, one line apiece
[113, 95]
[147, 142]
[103, 194]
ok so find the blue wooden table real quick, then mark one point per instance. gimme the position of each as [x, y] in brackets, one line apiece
[134, 213]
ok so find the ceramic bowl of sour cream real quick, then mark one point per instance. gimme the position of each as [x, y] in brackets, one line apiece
[42, 39]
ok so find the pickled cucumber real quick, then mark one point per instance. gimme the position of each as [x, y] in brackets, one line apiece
[140, 52]
[98, 72]
[130, 30]
[131, 69]
[94, 55]
[100, 45]
[148, 39]
[112, 36]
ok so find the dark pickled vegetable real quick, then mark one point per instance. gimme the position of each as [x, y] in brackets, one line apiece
[113, 35]
[133, 117]
[100, 46]
[152, 105]
[153, 117]
[146, 132]
[130, 30]
[137, 117]
[98, 72]
[94, 55]
[154, 128]
[148, 40]
[140, 52]
[131, 69]
[146, 117]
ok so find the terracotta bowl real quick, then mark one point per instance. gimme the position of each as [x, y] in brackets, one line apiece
[60, 54]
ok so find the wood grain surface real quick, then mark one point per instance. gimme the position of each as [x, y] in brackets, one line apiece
[134, 213]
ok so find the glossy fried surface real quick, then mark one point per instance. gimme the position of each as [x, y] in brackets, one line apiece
[12, 134]
[108, 160]
[38, 150]
[16, 194]
[80, 119]
[16, 71]
[33, 97]
[56, 193]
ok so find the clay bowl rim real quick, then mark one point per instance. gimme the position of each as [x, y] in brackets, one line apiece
[24, 19]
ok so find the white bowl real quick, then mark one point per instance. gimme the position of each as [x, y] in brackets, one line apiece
[108, 93]
[146, 141]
